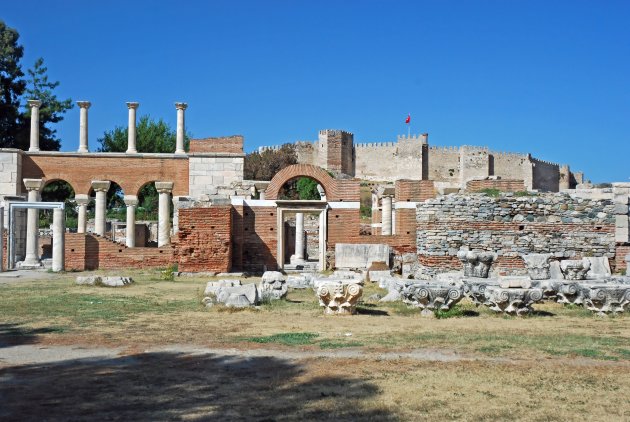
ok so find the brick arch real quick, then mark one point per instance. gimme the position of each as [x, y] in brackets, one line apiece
[320, 175]
[52, 178]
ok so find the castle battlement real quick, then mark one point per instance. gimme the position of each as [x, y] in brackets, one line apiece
[444, 148]
[335, 132]
[536, 160]
[423, 138]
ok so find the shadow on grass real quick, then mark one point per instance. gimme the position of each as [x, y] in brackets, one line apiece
[365, 310]
[14, 335]
[539, 313]
[176, 386]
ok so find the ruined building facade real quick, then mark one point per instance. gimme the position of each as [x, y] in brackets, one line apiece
[411, 157]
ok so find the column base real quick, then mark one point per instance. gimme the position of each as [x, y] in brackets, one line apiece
[131, 151]
[24, 265]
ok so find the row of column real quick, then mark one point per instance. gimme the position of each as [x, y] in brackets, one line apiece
[83, 126]
[34, 186]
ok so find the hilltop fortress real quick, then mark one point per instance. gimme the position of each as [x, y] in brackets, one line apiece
[412, 158]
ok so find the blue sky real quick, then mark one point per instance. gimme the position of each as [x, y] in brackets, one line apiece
[545, 77]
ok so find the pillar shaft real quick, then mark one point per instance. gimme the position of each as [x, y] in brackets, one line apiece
[59, 229]
[82, 202]
[164, 212]
[100, 187]
[131, 129]
[132, 203]
[386, 229]
[32, 219]
[34, 144]
[181, 127]
[83, 125]
[299, 236]
[1, 239]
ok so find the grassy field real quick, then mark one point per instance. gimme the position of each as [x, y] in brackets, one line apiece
[386, 363]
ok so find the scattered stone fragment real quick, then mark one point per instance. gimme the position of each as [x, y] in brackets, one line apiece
[103, 281]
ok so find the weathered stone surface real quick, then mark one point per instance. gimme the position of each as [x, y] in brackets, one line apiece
[575, 269]
[95, 280]
[476, 264]
[213, 286]
[537, 265]
[273, 286]
[511, 282]
[453, 278]
[512, 301]
[360, 255]
[475, 289]
[300, 281]
[606, 298]
[569, 292]
[555, 272]
[375, 275]
[600, 267]
[340, 297]
[234, 296]
[431, 296]
[235, 300]
[394, 288]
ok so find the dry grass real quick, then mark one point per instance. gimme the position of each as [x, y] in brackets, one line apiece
[559, 364]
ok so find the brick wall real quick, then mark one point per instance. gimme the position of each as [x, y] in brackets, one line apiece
[129, 171]
[414, 190]
[620, 257]
[204, 239]
[229, 144]
[336, 189]
[91, 252]
[503, 185]
[257, 241]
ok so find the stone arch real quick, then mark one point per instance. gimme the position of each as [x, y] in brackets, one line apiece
[48, 181]
[301, 170]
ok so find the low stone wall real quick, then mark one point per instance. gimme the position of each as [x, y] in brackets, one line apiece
[511, 226]
[503, 185]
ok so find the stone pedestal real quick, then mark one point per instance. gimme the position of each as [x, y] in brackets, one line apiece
[33, 186]
[181, 128]
[131, 128]
[164, 214]
[58, 234]
[429, 296]
[339, 297]
[131, 201]
[386, 227]
[512, 301]
[83, 125]
[476, 264]
[34, 105]
[82, 202]
[100, 188]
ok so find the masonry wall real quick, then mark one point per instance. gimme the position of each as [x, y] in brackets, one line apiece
[503, 185]
[512, 166]
[230, 144]
[444, 164]
[255, 238]
[91, 252]
[511, 226]
[204, 239]
[474, 163]
[374, 161]
[10, 172]
[209, 173]
[546, 176]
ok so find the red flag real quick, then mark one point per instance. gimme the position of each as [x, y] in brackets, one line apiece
[408, 119]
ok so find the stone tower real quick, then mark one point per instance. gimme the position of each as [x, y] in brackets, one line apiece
[336, 151]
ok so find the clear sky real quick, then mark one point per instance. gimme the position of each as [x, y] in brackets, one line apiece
[547, 77]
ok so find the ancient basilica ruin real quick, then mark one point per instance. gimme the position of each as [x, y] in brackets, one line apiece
[428, 217]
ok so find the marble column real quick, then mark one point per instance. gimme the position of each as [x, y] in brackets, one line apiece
[33, 186]
[100, 188]
[181, 128]
[164, 212]
[131, 129]
[386, 228]
[299, 236]
[83, 125]
[1, 239]
[34, 105]
[58, 234]
[131, 201]
[82, 202]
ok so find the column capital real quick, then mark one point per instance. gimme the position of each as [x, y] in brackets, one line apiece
[164, 187]
[33, 184]
[101, 185]
[84, 104]
[131, 200]
[34, 103]
[133, 105]
[81, 199]
[181, 106]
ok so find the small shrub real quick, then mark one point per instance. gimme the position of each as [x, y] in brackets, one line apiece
[524, 193]
[168, 274]
[454, 312]
[491, 192]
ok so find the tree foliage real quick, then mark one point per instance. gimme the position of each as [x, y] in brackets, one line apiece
[307, 188]
[151, 136]
[11, 85]
[264, 165]
[15, 91]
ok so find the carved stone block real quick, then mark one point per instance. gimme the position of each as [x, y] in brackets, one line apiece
[606, 298]
[476, 264]
[432, 296]
[339, 297]
[512, 301]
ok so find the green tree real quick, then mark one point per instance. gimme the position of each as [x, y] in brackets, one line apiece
[264, 165]
[151, 136]
[11, 85]
[307, 188]
[50, 112]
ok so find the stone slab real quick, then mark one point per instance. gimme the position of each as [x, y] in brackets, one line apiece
[360, 255]
[600, 267]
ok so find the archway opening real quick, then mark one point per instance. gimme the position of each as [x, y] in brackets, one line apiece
[58, 191]
[301, 188]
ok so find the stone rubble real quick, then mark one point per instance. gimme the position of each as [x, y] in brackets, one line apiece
[102, 281]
